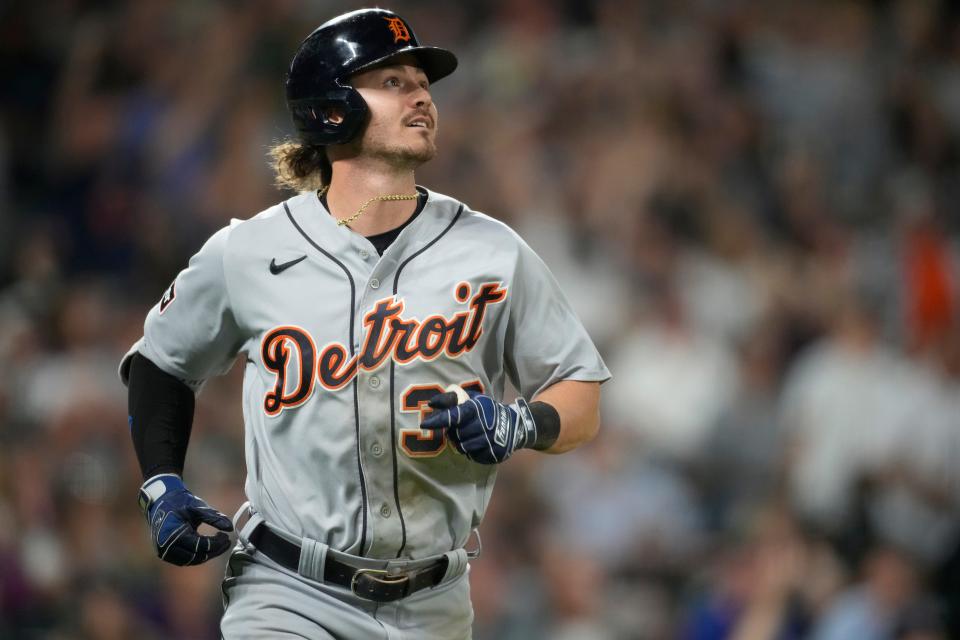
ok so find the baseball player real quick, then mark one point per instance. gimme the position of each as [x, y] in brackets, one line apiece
[378, 323]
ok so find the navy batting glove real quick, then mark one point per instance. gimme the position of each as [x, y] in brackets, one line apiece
[484, 430]
[174, 514]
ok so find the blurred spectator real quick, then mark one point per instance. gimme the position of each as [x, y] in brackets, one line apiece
[674, 381]
[837, 394]
[769, 586]
[742, 468]
[871, 609]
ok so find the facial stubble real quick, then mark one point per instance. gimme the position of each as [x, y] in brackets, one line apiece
[374, 144]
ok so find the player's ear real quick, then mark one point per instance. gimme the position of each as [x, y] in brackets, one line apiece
[333, 115]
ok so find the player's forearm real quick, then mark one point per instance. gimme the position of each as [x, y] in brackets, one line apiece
[578, 405]
[161, 416]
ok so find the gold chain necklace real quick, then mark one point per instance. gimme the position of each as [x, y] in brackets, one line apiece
[363, 207]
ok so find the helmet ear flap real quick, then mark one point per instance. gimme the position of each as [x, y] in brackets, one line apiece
[311, 116]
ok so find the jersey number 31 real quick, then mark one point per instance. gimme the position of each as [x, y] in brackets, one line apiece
[423, 443]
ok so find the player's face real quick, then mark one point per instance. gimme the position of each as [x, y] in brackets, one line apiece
[403, 118]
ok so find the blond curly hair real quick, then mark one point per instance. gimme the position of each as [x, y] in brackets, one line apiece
[299, 166]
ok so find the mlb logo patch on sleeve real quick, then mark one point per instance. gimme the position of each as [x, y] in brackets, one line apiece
[168, 296]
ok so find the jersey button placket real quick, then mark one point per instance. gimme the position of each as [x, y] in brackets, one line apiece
[385, 510]
[374, 283]
[374, 382]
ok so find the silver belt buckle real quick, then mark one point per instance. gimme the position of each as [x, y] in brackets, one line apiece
[380, 575]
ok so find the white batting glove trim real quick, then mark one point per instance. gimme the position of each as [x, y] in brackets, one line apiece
[155, 487]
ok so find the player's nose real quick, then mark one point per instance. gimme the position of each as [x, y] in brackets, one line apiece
[419, 95]
[422, 98]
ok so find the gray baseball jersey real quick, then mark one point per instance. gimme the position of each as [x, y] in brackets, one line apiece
[343, 348]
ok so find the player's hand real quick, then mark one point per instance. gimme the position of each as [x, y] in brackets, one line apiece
[174, 514]
[484, 430]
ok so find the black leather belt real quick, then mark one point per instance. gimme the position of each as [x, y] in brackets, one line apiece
[371, 584]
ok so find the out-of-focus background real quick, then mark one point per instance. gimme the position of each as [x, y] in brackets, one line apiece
[752, 205]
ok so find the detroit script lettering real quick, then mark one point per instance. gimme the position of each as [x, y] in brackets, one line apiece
[388, 335]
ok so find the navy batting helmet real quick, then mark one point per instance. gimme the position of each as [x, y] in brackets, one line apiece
[320, 73]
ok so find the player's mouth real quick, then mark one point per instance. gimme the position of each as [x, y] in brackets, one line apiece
[420, 122]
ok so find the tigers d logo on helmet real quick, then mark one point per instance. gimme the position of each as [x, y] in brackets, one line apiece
[398, 29]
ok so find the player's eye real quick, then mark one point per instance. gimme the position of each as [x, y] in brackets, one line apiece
[424, 85]
[392, 81]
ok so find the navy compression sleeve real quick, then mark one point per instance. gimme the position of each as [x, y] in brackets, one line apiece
[161, 417]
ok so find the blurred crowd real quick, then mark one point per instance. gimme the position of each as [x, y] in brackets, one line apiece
[752, 205]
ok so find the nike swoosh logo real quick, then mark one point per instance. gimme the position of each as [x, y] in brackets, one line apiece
[277, 269]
